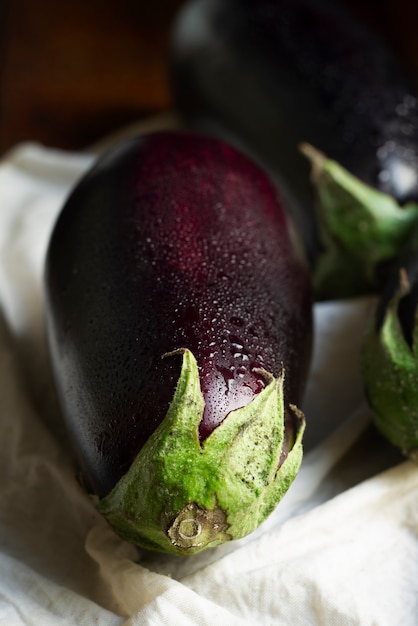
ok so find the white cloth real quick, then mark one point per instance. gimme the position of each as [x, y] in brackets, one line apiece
[340, 549]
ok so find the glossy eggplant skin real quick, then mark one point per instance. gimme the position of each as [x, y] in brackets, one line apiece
[173, 240]
[271, 74]
[406, 268]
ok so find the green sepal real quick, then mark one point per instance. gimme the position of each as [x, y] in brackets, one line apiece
[361, 230]
[390, 375]
[181, 496]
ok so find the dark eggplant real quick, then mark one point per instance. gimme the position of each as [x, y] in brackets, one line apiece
[179, 324]
[270, 75]
[390, 355]
[362, 231]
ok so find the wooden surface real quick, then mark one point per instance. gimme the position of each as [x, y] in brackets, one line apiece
[72, 71]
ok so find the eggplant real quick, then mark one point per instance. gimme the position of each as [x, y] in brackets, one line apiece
[274, 74]
[362, 231]
[179, 321]
[390, 355]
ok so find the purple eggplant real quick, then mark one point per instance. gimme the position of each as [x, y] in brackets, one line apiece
[390, 355]
[273, 74]
[179, 325]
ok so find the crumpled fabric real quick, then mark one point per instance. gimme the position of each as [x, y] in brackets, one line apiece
[340, 549]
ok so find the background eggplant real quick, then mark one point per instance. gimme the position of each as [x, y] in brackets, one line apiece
[390, 355]
[272, 74]
[179, 325]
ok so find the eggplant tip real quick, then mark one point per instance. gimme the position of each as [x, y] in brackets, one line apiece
[195, 527]
[181, 497]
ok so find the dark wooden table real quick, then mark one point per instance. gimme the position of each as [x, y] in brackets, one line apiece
[72, 71]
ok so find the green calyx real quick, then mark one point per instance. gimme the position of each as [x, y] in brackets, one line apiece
[181, 496]
[361, 230]
[390, 375]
